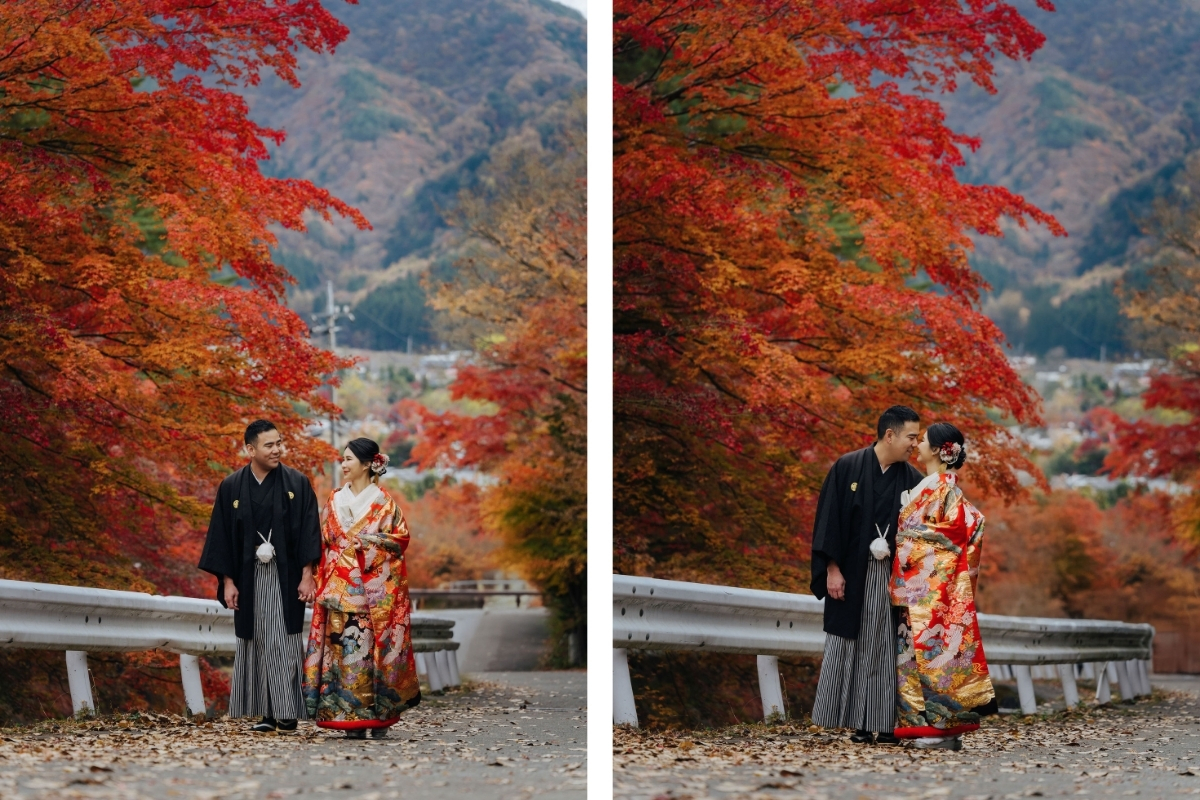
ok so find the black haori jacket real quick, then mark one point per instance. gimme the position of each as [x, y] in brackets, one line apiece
[844, 530]
[231, 542]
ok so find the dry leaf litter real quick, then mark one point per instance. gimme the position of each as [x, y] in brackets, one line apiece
[486, 740]
[1147, 749]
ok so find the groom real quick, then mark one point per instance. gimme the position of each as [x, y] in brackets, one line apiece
[859, 503]
[263, 540]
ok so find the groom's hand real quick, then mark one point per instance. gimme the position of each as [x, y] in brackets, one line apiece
[308, 587]
[231, 594]
[835, 584]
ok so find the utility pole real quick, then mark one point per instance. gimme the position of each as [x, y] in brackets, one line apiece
[328, 320]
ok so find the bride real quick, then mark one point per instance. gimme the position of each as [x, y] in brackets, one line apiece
[944, 686]
[359, 672]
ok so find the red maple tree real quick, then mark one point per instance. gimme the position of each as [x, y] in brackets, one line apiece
[141, 315]
[791, 257]
[141, 322]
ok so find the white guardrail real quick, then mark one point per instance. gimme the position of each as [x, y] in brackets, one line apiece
[78, 619]
[652, 614]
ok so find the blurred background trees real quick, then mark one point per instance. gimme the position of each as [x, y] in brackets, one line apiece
[521, 296]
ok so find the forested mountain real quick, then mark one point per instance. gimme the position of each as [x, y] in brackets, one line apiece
[1095, 128]
[419, 98]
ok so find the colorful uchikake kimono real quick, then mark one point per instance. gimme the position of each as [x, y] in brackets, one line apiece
[944, 686]
[359, 670]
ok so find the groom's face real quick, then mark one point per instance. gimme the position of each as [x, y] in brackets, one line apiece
[899, 445]
[266, 450]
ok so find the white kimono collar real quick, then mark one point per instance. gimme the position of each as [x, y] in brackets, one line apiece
[350, 508]
[928, 482]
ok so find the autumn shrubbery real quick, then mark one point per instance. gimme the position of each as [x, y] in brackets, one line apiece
[520, 298]
[33, 684]
[449, 542]
[1063, 554]
[684, 689]
[1068, 554]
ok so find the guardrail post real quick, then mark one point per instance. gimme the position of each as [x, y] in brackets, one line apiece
[193, 690]
[80, 683]
[624, 708]
[1135, 684]
[1066, 674]
[1124, 682]
[1025, 688]
[769, 686]
[433, 674]
[443, 663]
[1103, 685]
[1135, 669]
[1143, 670]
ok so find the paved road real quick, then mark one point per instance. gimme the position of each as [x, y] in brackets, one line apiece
[511, 735]
[499, 639]
[1148, 750]
[1185, 684]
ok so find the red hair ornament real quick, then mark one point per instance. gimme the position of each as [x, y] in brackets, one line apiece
[949, 452]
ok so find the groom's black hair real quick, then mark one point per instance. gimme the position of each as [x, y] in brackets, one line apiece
[894, 418]
[257, 427]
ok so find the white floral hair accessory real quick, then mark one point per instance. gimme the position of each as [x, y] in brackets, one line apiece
[379, 463]
[949, 452]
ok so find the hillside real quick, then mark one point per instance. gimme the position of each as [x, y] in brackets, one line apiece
[1092, 130]
[416, 101]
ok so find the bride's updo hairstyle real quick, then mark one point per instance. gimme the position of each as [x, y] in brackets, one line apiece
[365, 450]
[941, 434]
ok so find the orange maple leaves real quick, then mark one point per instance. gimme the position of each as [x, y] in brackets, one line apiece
[130, 175]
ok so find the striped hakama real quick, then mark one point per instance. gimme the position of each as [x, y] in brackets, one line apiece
[857, 687]
[267, 669]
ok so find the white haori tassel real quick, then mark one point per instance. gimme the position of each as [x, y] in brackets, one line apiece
[879, 547]
[266, 550]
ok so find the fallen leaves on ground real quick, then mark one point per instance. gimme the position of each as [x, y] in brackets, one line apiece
[1112, 742]
[132, 755]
